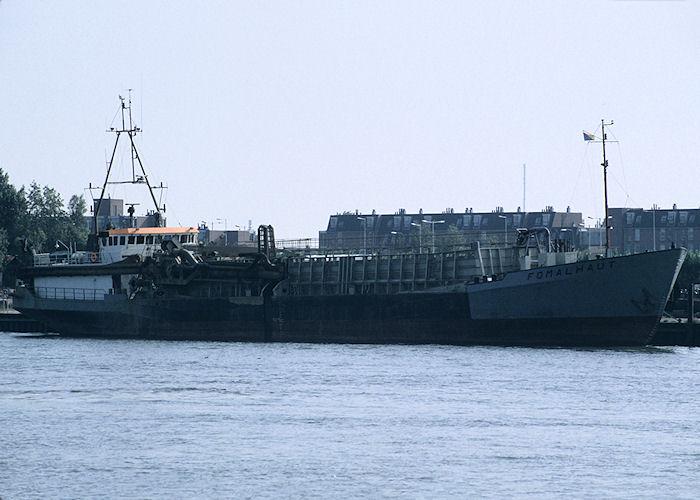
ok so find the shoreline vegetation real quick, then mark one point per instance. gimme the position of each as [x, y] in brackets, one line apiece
[39, 215]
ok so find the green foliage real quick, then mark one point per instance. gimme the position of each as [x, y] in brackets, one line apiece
[13, 208]
[14, 219]
[78, 227]
[4, 244]
[52, 225]
[38, 215]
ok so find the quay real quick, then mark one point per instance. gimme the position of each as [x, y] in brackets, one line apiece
[676, 331]
[13, 321]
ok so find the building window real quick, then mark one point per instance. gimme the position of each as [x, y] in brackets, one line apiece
[662, 235]
[691, 234]
[682, 218]
[636, 235]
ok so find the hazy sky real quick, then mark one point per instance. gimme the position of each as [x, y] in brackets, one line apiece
[287, 112]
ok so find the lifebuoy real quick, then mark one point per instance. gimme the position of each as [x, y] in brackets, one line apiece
[93, 257]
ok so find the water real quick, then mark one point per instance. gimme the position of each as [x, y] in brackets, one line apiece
[82, 418]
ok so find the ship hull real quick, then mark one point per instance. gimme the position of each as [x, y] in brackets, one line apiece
[609, 302]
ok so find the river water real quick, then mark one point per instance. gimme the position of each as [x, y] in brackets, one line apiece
[86, 418]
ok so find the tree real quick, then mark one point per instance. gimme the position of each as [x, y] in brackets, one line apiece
[13, 214]
[51, 223]
[77, 209]
[4, 244]
[76, 213]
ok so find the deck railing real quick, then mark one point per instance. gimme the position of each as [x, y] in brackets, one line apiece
[58, 259]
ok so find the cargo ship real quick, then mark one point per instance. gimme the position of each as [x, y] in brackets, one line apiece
[158, 283]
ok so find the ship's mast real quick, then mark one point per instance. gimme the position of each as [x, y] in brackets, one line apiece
[605, 185]
[131, 132]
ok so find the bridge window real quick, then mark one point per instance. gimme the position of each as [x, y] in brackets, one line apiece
[131, 240]
[183, 238]
[149, 239]
[122, 240]
[139, 240]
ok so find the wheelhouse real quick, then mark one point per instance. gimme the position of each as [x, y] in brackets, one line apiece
[117, 244]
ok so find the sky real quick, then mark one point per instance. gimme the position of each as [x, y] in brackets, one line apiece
[286, 112]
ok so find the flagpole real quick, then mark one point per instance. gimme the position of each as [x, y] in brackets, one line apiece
[592, 138]
[605, 184]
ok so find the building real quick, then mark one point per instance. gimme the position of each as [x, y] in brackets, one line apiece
[235, 238]
[636, 230]
[440, 231]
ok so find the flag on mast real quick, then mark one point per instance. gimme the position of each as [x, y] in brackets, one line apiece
[588, 137]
